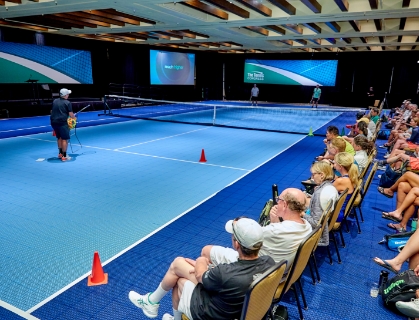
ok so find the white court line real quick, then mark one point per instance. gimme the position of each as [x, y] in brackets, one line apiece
[168, 137]
[149, 155]
[17, 311]
[56, 294]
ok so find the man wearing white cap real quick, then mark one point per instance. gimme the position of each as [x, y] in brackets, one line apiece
[201, 292]
[61, 110]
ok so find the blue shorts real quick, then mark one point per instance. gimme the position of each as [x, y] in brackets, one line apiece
[61, 131]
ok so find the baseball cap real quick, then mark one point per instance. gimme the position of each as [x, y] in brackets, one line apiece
[64, 92]
[366, 120]
[247, 232]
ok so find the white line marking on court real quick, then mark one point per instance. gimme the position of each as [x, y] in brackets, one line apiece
[17, 311]
[168, 137]
[149, 155]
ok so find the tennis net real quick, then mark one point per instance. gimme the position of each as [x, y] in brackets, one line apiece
[267, 118]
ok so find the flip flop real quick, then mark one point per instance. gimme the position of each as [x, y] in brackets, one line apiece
[393, 226]
[385, 265]
[381, 190]
[387, 216]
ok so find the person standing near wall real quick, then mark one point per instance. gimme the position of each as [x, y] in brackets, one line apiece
[317, 92]
[61, 110]
[254, 93]
[370, 97]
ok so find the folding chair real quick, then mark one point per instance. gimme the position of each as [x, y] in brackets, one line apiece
[349, 208]
[363, 190]
[300, 262]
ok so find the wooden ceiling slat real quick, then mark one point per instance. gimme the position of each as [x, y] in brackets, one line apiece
[147, 35]
[130, 35]
[406, 4]
[200, 6]
[259, 30]
[198, 34]
[128, 16]
[294, 28]
[284, 6]
[98, 18]
[331, 40]
[228, 6]
[381, 39]
[315, 41]
[184, 34]
[22, 25]
[159, 35]
[275, 29]
[342, 48]
[74, 22]
[225, 44]
[347, 40]
[363, 39]
[117, 36]
[355, 48]
[355, 25]
[15, 1]
[2, 3]
[257, 6]
[288, 42]
[373, 4]
[313, 5]
[399, 38]
[342, 4]
[113, 16]
[301, 41]
[235, 44]
[170, 34]
[378, 24]
[333, 25]
[75, 15]
[192, 44]
[45, 21]
[313, 27]
[402, 23]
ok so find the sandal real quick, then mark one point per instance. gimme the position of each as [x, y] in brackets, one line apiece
[398, 229]
[381, 190]
[386, 215]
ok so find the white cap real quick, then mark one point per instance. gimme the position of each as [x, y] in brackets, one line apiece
[247, 232]
[64, 92]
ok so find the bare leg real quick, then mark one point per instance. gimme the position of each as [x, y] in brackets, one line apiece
[177, 292]
[409, 177]
[64, 145]
[178, 269]
[206, 252]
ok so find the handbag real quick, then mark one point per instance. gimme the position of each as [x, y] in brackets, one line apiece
[400, 288]
[397, 241]
[390, 176]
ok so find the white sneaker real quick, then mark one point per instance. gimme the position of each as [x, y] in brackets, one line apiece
[410, 309]
[141, 301]
[167, 316]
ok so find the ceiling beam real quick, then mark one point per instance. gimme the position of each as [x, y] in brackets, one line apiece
[15, 1]
[275, 29]
[21, 25]
[402, 23]
[200, 6]
[363, 39]
[259, 30]
[331, 40]
[315, 41]
[381, 39]
[378, 24]
[373, 4]
[355, 48]
[301, 41]
[347, 40]
[183, 33]
[406, 4]
[159, 35]
[228, 6]
[294, 28]
[333, 25]
[257, 6]
[313, 27]
[74, 20]
[313, 5]
[98, 18]
[114, 17]
[288, 42]
[342, 4]
[76, 16]
[284, 6]
[355, 25]
[170, 34]
[198, 34]
[45, 21]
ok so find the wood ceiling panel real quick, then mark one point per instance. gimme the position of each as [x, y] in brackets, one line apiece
[257, 6]
[313, 27]
[275, 29]
[200, 6]
[294, 28]
[76, 16]
[259, 30]
[313, 5]
[284, 6]
[98, 18]
[129, 16]
[228, 6]
[342, 4]
[113, 17]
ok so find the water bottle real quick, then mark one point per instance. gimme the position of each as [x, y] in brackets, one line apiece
[414, 223]
[383, 278]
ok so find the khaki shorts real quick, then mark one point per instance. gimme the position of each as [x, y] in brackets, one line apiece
[185, 299]
[220, 255]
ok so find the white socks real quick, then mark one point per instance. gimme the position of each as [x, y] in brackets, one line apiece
[157, 295]
[177, 315]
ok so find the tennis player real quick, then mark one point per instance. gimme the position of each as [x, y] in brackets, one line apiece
[61, 110]
[254, 93]
[317, 92]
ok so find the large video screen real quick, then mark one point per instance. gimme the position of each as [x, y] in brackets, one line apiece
[291, 72]
[172, 68]
[21, 62]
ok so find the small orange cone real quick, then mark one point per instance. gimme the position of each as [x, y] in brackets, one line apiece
[97, 277]
[203, 156]
[53, 133]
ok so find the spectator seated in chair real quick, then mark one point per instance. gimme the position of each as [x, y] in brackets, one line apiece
[332, 132]
[411, 142]
[281, 237]
[362, 147]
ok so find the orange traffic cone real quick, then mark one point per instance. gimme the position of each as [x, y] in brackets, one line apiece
[53, 133]
[97, 277]
[203, 156]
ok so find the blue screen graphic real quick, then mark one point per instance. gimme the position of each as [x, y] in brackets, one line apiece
[291, 72]
[20, 62]
[173, 68]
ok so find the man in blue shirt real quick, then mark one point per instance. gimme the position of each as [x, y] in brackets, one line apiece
[316, 96]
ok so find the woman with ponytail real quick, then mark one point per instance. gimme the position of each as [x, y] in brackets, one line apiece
[344, 164]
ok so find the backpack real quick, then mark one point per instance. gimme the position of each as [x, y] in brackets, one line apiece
[400, 288]
[390, 176]
[397, 241]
